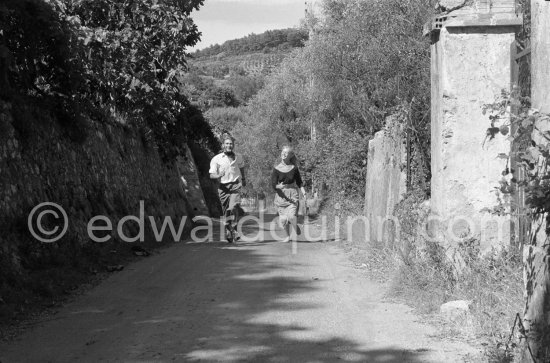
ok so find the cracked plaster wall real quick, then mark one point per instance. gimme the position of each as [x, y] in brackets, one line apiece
[470, 67]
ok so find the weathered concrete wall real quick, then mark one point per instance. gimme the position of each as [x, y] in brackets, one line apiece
[540, 55]
[540, 81]
[470, 67]
[386, 179]
[477, 12]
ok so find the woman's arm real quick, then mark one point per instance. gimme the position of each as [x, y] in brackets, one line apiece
[243, 177]
[274, 179]
[299, 182]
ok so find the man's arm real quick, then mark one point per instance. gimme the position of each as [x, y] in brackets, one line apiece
[216, 176]
[214, 171]
[243, 177]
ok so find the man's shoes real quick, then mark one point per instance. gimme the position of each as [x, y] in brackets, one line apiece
[229, 236]
[286, 240]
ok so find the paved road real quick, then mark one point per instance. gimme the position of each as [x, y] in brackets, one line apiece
[250, 302]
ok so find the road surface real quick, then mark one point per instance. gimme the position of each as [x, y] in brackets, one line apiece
[256, 301]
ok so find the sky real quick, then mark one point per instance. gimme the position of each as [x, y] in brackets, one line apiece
[221, 20]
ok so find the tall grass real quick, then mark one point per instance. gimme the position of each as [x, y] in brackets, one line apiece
[420, 275]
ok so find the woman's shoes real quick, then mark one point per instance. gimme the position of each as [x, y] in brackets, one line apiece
[229, 236]
[286, 240]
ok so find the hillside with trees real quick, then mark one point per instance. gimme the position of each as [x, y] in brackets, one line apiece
[222, 79]
[267, 42]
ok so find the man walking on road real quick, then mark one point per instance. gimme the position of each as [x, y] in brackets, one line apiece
[228, 167]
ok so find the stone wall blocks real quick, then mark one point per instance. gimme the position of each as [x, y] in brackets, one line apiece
[87, 209]
[65, 202]
[81, 216]
[149, 209]
[41, 174]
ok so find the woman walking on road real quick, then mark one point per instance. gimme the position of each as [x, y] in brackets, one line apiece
[286, 180]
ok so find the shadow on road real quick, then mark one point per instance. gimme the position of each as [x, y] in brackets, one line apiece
[216, 302]
[268, 312]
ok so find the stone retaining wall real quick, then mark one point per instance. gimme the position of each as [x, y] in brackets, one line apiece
[109, 175]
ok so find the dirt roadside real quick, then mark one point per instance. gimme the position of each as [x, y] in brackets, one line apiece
[256, 301]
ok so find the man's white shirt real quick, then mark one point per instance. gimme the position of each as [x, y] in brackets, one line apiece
[230, 167]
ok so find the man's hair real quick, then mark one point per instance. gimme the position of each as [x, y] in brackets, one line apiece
[227, 137]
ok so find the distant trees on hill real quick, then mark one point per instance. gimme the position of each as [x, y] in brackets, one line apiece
[229, 75]
[271, 40]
